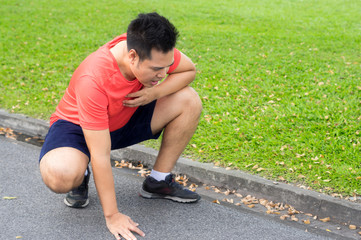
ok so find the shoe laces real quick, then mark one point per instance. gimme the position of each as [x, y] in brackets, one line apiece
[175, 184]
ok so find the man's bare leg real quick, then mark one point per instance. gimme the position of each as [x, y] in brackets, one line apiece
[179, 115]
[62, 169]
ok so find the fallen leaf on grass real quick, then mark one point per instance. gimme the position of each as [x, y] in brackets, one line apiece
[9, 198]
[281, 178]
[325, 219]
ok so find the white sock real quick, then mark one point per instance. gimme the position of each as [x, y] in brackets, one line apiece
[159, 176]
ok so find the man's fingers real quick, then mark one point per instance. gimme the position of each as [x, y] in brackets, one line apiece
[133, 103]
[127, 235]
[133, 223]
[137, 230]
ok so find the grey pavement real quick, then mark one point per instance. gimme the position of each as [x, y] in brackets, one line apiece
[37, 213]
[342, 213]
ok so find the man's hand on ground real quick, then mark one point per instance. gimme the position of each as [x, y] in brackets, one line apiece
[120, 224]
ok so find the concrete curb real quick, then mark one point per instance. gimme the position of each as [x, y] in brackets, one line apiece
[340, 211]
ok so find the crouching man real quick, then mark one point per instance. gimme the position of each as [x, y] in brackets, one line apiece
[116, 98]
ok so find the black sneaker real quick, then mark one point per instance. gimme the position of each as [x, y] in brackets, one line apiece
[168, 189]
[78, 197]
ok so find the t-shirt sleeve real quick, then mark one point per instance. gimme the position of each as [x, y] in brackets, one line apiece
[177, 57]
[92, 104]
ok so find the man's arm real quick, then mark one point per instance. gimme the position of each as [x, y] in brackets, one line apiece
[99, 144]
[181, 77]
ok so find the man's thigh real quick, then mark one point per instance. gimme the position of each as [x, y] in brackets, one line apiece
[138, 128]
[64, 134]
[173, 105]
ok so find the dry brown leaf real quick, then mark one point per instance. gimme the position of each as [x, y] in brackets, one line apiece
[283, 217]
[293, 218]
[228, 200]
[352, 227]
[227, 192]
[327, 219]
[238, 195]
[207, 188]
[217, 190]
[263, 202]
[216, 201]
[251, 206]
[306, 221]
[308, 214]
[281, 178]
[9, 198]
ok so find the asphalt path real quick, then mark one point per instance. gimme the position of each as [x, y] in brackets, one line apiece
[28, 210]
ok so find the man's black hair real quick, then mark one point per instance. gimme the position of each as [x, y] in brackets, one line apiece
[151, 31]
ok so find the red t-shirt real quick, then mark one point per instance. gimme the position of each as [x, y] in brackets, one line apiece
[94, 97]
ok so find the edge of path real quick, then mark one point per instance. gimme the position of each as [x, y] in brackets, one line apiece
[339, 210]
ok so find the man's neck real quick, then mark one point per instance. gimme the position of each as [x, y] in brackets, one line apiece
[120, 53]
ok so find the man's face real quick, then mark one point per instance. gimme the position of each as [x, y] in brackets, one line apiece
[150, 71]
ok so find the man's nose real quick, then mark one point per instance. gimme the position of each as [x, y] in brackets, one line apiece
[162, 73]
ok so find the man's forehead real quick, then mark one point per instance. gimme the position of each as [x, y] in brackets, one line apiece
[161, 59]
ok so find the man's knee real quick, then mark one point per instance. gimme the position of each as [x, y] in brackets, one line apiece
[62, 169]
[59, 179]
[191, 100]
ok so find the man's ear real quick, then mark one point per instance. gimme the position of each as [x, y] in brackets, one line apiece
[133, 56]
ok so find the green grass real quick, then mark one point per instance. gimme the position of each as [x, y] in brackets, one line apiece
[279, 80]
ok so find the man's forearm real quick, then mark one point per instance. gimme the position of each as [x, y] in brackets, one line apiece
[173, 83]
[104, 182]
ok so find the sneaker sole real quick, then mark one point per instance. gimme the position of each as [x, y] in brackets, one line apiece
[77, 205]
[149, 195]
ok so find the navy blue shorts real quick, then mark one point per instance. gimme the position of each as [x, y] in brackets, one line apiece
[67, 134]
